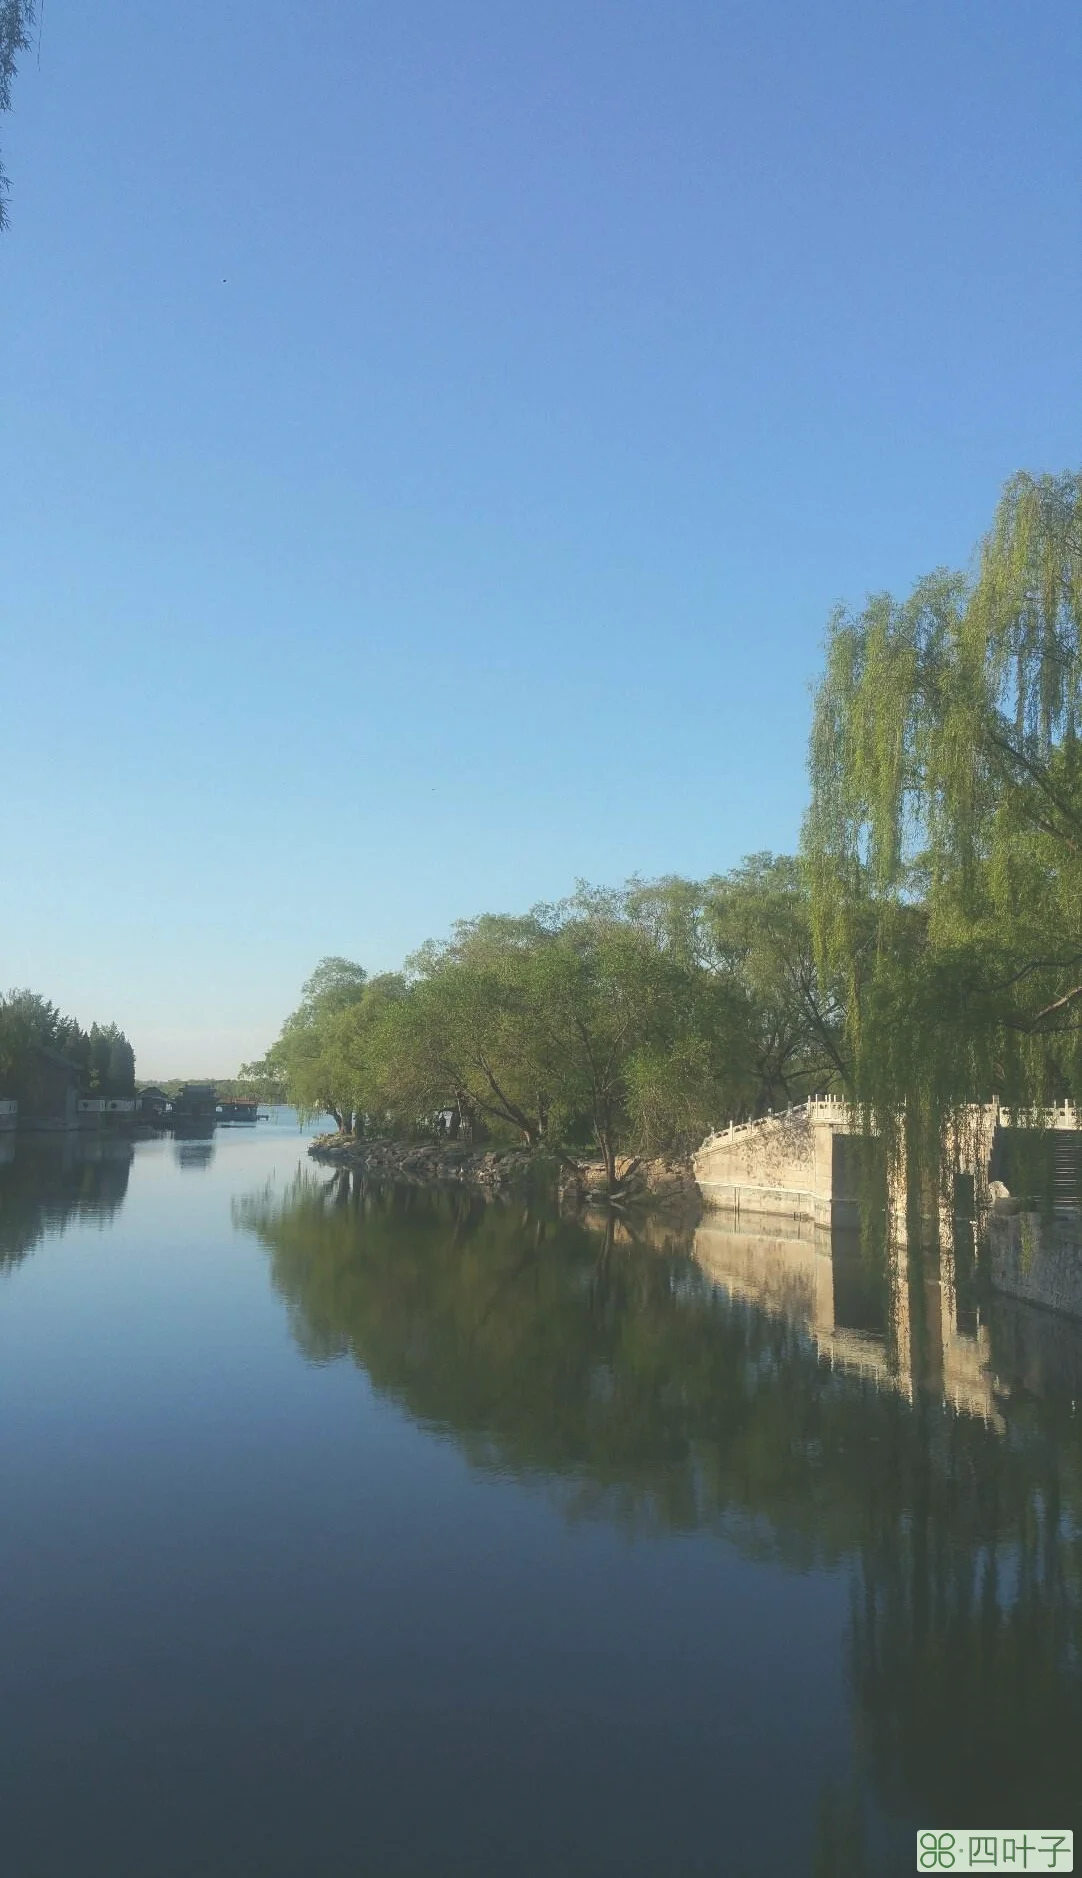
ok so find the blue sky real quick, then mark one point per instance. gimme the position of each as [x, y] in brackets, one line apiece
[431, 443]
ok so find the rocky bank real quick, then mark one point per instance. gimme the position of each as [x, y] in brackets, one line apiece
[668, 1185]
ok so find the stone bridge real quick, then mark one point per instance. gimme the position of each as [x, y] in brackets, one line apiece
[814, 1163]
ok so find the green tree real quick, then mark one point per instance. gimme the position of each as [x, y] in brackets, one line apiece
[353, 1053]
[637, 1042]
[121, 1067]
[626, 1021]
[101, 1045]
[751, 928]
[575, 1025]
[30, 1022]
[111, 1061]
[16, 19]
[306, 1059]
[759, 919]
[472, 1025]
[944, 837]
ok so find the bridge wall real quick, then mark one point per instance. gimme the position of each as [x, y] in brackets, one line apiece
[809, 1164]
[1039, 1261]
[796, 1165]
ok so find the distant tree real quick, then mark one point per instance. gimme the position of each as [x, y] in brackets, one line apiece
[16, 19]
[252, 1083]
[101, 1045]
[122, 1067]
[28, 1021]
[112, 1061]
[304, 1059]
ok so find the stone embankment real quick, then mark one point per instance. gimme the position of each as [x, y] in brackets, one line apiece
[433, 1164]
[668, 1185]
[504, 1171]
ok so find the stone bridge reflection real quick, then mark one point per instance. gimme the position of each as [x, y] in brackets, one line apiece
[895, 1313]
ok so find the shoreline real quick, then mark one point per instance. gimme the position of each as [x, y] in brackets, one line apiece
[501, 1172]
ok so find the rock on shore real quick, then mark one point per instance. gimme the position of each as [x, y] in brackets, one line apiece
[427, 1163]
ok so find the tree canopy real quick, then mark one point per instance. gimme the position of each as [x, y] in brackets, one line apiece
[320, 1058]
[617, 1022]
[944, 837]
[30, 1022]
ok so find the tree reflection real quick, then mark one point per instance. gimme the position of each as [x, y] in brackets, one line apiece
[51, 1182]
[636, 1388]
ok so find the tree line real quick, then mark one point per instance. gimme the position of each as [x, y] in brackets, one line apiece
[922, 951]
[30, 1023]
[615, 1022]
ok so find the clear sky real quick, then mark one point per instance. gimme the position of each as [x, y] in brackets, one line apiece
[433, 436]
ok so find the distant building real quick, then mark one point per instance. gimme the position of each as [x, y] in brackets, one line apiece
[152, 1103]
[196, 1101]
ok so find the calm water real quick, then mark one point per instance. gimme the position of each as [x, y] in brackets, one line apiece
[343, 1535]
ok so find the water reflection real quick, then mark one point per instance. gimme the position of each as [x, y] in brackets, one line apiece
[899, 1315]
[49, 1182]
[193, 1147]
[810, 1399]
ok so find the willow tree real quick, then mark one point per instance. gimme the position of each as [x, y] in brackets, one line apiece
[944, 838]
[16, 19]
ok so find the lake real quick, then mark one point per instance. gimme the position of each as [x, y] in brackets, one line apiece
[347, 1532]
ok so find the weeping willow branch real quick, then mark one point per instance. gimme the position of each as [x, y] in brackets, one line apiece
[943, 846]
